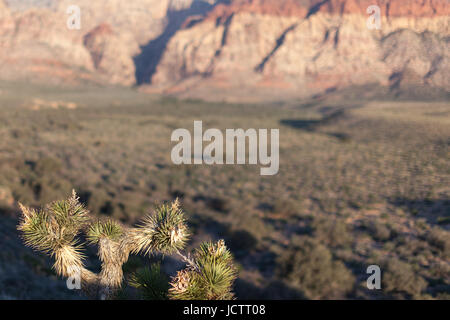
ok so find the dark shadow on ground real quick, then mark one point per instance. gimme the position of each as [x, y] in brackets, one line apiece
[330, 115]
[434, 211]
[308, 125]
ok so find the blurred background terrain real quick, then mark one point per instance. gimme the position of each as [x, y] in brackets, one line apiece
[364, 119]
[239, 50]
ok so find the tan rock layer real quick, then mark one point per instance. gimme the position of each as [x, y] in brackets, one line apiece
[306, 46]
[301, 8]
[248, 45]
[37, 44]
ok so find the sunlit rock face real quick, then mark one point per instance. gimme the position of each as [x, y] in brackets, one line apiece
[248, 47]
[38, 45]
[308, 47]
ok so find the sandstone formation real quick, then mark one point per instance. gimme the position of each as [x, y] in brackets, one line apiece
[38, 45]
[230, 48]
[308, 47]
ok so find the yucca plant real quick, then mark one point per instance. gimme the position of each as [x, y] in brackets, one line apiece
[55, 230]
[208, 276]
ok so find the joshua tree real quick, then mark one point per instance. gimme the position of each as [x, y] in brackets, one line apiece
[55, 229]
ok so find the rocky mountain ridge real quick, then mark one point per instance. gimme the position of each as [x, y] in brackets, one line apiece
[240, 48]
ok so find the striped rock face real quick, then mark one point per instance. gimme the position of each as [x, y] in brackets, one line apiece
[307, 47]
[39, 46]
[239, 48]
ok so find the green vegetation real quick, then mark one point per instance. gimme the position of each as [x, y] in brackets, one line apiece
[309, 266]
[360, 183]
[54, 230]
[400, 278]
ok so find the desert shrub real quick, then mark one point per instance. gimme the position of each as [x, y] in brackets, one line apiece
[214, 203]
[410, 249]
[440, 239]
[241, 240]
[333, 232]
[285, 207]
[6, 201]
[52, 188]
[400, 280]
[46, 165]
[40, 180]
[96, 200]
[378, 230]
[253, 224]
[309, 265]
[219, 204]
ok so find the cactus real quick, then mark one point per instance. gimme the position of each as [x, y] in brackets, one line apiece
[55, 230]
